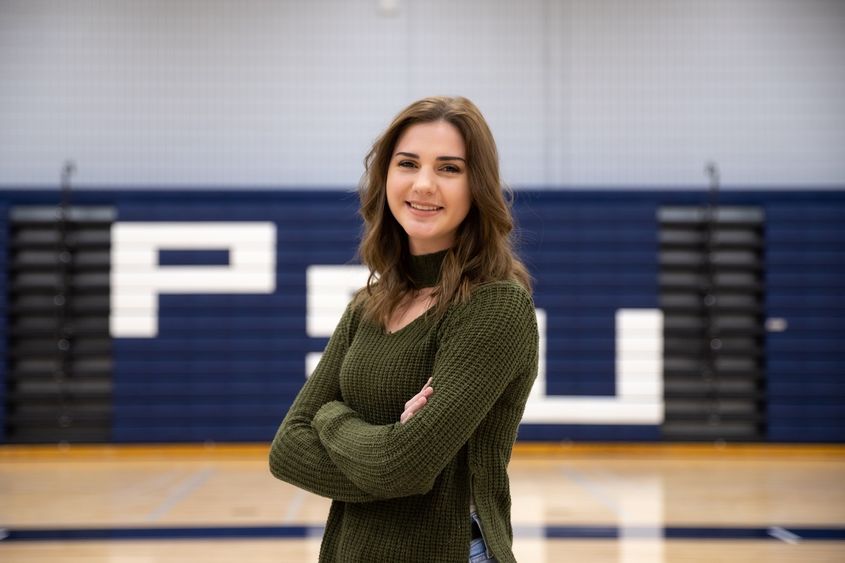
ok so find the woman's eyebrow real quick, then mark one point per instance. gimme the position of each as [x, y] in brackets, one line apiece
[412, 155]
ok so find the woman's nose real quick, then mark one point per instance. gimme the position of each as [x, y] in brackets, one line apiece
[424, 182]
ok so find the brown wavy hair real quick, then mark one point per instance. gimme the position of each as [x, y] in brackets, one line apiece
[483, 248]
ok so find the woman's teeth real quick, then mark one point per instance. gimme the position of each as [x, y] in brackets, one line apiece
[423, 207]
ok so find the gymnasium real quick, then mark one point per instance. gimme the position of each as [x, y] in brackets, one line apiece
[179, 224]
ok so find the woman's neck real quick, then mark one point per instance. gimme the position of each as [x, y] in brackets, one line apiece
[425, 268]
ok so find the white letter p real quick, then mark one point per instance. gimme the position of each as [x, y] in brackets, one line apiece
[137, 278]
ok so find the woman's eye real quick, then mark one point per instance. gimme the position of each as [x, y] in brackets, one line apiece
[452, 169]
[406, 164]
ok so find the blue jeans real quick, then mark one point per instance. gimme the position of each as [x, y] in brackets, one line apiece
[478, 552]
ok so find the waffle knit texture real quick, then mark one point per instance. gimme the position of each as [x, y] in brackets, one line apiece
[401, 492]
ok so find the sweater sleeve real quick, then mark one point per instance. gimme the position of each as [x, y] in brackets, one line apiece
[485, 345]
[296, 454]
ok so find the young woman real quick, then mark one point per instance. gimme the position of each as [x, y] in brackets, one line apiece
[409, 419]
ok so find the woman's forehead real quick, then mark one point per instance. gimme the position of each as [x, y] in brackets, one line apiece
[435, 138]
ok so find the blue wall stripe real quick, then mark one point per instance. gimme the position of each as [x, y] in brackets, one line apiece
[805, 266]
[4, 238]
[591, 251]
[603, 433]
[193, 257]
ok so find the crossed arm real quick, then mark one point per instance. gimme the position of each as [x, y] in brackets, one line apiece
[325, 447]
[296, 454]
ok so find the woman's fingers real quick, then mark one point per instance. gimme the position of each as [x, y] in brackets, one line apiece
[426, 391]
[412, 409]
[416, 402]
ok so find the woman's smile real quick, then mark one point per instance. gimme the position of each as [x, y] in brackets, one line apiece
[423, 209]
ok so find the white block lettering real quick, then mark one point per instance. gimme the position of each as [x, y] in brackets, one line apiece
[137, 279]
[329, 290]
[639, 378]
[639, 357]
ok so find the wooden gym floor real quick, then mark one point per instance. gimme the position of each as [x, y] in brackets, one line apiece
[583, 503]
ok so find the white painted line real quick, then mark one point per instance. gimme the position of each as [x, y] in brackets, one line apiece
[592, 489]
[293, 507]
[152, 485]
[182, 491]
[784, 535]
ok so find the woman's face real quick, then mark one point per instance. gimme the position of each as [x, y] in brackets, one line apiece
[427, 185]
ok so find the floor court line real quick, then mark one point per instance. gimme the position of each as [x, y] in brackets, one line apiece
[149, 486]
[784, 535]
[297, 532]
[594, 490]
[184, 489]
[293, 507]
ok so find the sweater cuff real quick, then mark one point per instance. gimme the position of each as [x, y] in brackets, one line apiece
[329, 412]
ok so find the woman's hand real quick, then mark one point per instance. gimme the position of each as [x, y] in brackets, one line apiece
[417, 402]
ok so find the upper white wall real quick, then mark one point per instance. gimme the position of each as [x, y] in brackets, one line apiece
[579, 93]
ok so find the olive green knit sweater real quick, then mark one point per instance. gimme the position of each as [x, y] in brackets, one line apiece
[402, 491]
